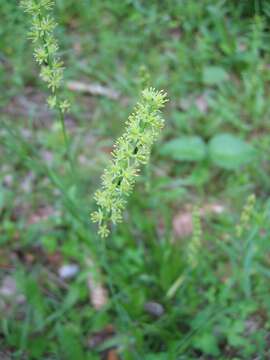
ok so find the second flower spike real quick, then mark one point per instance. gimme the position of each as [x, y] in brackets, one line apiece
[131, 150]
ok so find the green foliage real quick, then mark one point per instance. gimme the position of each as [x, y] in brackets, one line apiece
[212, 57]
[230, 152]
[214, 75]
[186, 148]
[224, 150]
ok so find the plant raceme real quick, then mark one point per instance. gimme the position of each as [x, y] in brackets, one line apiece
[131, 151]
[195, 243]
[46, 49]
[246, 215]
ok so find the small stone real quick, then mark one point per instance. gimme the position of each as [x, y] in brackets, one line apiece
[8, 288]
[68, 271]
[153, 308]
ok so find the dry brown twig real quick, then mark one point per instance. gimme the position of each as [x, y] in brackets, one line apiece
[93, 89]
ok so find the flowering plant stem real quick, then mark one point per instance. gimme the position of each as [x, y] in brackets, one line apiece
[61, 120]
[131, 151]
[45, 54]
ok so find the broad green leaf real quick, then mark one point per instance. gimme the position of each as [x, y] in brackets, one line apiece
[229, 151]
[186, 148]
[213, 75]
[208, 343]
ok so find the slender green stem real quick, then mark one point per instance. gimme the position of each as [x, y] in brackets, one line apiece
[67, 148]
[61, 119]
[64, 130]
[105, 263]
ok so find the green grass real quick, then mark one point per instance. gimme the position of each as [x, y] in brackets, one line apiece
[212, 58]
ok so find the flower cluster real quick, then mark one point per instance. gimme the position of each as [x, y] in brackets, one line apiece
[131, 150]
[46, 48]
[195, 243]
[246, 215]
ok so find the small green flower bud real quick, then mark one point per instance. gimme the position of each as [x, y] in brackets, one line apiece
[35, 8]
[103, 231]
[97, 216]
[52, 101]
[64, 106]
[41, 55]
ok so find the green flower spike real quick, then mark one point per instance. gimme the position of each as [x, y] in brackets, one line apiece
[131, 151]
[46, 47]
[195, 243]
[246, 215]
